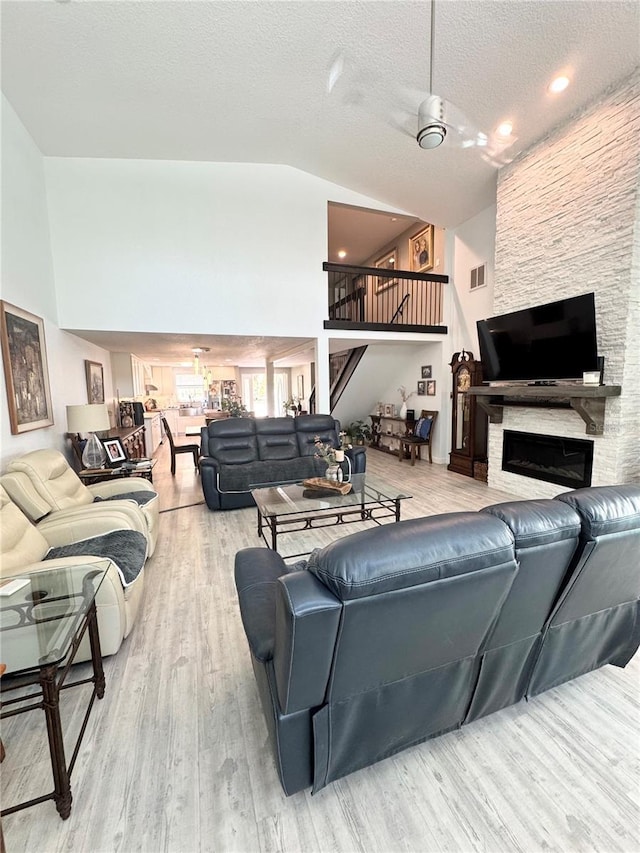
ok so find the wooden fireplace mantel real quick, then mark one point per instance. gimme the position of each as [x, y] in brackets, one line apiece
[587, 400]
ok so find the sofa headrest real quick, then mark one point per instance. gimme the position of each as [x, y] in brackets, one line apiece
[537, 522]
[410, 553]
[605, 509]
[275, 426]
[315, 423]
[231, 427]
[52, 478]
[20, 542]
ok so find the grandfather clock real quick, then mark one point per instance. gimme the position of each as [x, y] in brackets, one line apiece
[468, 421]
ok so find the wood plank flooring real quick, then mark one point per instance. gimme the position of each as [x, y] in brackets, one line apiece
[176, 756]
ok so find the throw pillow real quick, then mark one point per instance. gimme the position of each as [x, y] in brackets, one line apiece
[423, 428]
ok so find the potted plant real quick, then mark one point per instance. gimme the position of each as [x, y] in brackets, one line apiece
[234, 406]
[359, 432]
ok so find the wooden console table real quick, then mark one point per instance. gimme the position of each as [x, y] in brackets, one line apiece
[587, 400]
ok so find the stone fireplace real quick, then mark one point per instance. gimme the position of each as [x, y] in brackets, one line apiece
[564, 461]
[567, 223]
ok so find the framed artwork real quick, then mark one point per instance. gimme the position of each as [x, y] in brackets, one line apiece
[421, 250]
[300, 386]
[386, 262]
[389, 410]
[431, 388]
[426, 371]
[422, 388]
[115, 450]
[95, 381]
[24, 354]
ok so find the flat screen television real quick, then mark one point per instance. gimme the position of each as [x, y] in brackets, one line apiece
[544, 343]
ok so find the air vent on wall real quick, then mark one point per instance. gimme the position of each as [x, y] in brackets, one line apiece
[478, 278]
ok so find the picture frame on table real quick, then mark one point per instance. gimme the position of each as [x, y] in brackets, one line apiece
[389, 261]
[426, 371]
[389, 410]
[114, 449]
[421, 250]
[26, 371]
[95, 381]
[431, 388]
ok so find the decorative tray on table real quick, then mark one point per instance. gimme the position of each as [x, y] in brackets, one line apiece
[321, 484]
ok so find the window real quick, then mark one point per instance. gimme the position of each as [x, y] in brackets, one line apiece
[190, 388]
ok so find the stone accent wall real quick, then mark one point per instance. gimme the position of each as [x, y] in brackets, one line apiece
[568, 222]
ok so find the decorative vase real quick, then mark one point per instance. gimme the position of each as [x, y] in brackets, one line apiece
[334, 472]
[403, 411]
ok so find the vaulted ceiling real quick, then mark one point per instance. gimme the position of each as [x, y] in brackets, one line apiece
[234, 81]
[247, 82]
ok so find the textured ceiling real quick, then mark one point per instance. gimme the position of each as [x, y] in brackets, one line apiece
[247, 82]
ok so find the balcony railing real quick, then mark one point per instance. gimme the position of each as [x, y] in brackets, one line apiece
[380, 299]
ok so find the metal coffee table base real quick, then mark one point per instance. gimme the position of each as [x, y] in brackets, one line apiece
[277, 525]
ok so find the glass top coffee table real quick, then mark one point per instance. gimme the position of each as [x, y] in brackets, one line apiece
[291, 507]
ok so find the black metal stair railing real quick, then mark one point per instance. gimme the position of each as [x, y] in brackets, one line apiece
[368, 298]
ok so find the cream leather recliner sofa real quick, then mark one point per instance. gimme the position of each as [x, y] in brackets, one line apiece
[24, 549]
[42, 484]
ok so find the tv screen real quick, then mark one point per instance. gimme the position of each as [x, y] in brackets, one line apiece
[544, 343]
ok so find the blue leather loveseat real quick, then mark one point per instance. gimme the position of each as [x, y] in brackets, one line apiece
[240, 452]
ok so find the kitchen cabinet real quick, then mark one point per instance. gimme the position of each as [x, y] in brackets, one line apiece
[130, 375]
[171, 416]
[153, 432]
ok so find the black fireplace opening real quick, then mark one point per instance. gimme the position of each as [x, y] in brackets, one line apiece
[565, 461]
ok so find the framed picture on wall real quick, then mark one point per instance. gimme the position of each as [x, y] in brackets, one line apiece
[26, 372]
[386, 262]
[422, 387]
[431, 388]
[421, 250]
[426, 371]
[95, 381]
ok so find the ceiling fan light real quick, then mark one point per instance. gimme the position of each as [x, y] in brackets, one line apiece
[432, 135]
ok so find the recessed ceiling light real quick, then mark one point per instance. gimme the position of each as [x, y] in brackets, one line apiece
[505, 128]
[558, 85]
[342, 253]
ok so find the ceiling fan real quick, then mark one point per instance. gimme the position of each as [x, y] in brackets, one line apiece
[425, 116]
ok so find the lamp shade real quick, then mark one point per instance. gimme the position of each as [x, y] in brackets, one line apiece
[92, 417]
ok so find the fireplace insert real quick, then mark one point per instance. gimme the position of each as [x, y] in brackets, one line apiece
[565, 461]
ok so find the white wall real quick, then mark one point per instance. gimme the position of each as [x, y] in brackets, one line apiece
[218, 248]
[474, 244]
[382, 370]
[568, 223]
[28, 282]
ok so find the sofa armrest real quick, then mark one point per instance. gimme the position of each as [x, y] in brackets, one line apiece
[119, 487]
[73, 525]
[256, 572]
[358, 457]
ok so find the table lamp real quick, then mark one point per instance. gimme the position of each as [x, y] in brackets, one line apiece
[90, 418]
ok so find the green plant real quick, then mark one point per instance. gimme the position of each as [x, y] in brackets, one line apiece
[326, 452]
[359, 432]
[234, 406]
[291, 403]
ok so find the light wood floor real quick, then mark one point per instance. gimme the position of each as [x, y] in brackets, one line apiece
[176, 755]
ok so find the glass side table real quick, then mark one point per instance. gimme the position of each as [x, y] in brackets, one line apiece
[43, 617]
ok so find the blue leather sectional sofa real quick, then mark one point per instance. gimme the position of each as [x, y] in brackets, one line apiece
[400, 633]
